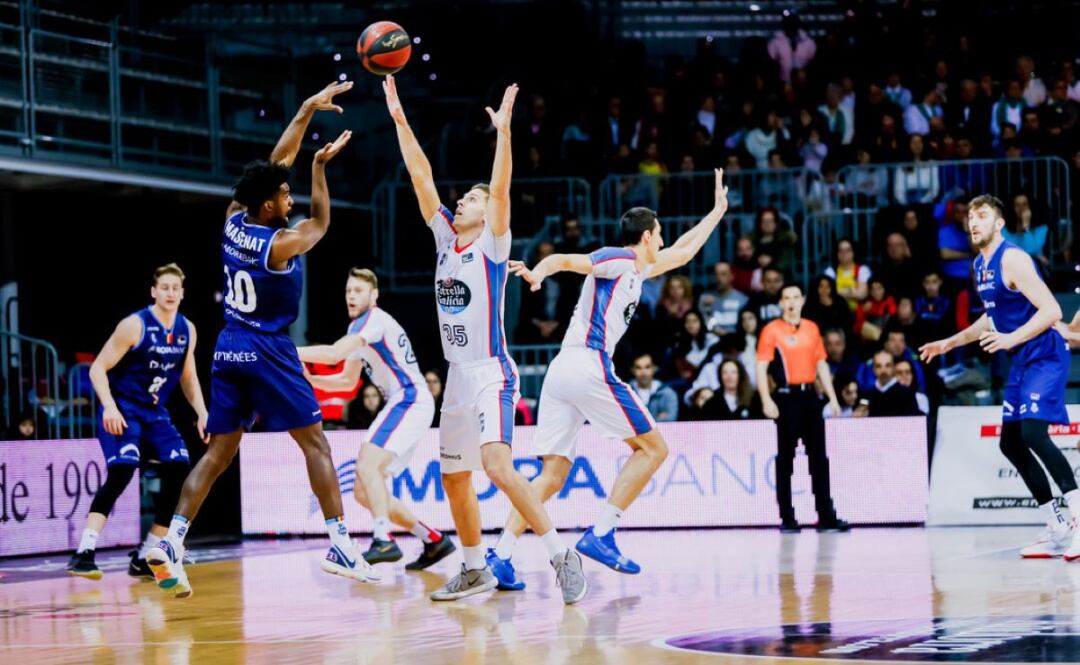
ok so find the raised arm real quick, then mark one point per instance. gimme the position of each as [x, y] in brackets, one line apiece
[416, 162]
[691, 242]
[124, 338]
[344, 380]
[579, 263]
[189, 383]
[332, 354]
[1019, 268]
[497, 214]
[306, 234]
[289, 144]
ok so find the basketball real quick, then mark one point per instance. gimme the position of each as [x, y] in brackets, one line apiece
[384, 47]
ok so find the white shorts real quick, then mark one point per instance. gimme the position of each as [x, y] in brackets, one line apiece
[478, 408]
[581, 385]
[401, 424]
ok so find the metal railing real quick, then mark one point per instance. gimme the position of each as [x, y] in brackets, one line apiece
[406, 260]
[30, 369]
[532, 361]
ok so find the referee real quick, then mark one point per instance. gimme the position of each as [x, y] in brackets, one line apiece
[790, 353]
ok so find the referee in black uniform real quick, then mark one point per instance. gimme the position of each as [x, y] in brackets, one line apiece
[791, 353]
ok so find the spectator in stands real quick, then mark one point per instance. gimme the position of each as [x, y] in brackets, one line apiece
[692, 346]
[1024, 229]
[365, 407]
[1061, 117]
[932, 308]
[969, 114]
[955, 248]
[905, 376]
[867, 184]
[1034, 88]
[1032, 138]
[22, 428]
[898, 271]
[852, 279]
[778, 189]
[916, 182]
[837, 120]
[774, 241]
[661, 400]
[872, 314]
[571, 241]
[917, 117]
[896, 92]
[791, 47]
[614, 136]
[897, 346]
[576, 150]
[676, 299]
[841, 363]
[766, 303]
[1007, 110]
[847, 393]
[706, 115]
[887, 397]
[721, 305]
[813, 151]
[733, 400]
[1068, 74]
[825, 307]
[921, 235]
[749, 325]
[871, 110]
[907, 320]
[768, 135]
[888, 144]
[745, 267]
[435, 385]
[538, 320]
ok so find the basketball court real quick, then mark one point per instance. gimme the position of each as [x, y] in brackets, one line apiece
[704, 597]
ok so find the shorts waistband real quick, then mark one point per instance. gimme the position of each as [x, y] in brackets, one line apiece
[492, 360]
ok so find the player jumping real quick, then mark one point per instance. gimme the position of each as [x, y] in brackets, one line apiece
[256, 370]
[1020, 316]
[477, 427]
[146, 357]
[377, 340]
[581, 383]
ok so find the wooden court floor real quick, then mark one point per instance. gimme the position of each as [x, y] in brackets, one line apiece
[703, 596]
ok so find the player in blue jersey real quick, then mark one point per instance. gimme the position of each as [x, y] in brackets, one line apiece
[1021, 314]
[377, 343]
[256, 371]
[147, 356]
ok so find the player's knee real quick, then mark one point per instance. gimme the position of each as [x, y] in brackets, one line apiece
[499, 470]
[456, 482]
[654, 446]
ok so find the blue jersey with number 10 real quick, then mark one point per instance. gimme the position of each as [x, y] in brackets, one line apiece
[256, 296]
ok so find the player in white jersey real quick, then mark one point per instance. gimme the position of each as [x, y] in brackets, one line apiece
[581, 385]
[378, 342]
[472, 250]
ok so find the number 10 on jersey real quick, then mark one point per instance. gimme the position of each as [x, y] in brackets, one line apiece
[240, 291]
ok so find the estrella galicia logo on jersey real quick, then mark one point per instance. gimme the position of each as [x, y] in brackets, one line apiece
[453, 296]
[468, 258]
[628, 313]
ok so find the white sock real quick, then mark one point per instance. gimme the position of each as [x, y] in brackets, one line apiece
[609, 519]
[554, 544]
[382, 528]
[150, 541]
[474, 557]
[1073, 499]
[178, 528]
[505, 547]
[1055, 520]
[88, 540]
[339, 535]
[425, 533]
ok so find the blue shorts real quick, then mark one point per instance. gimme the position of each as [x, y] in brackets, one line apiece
[258, 374]
[1035, 389]
[148, 427]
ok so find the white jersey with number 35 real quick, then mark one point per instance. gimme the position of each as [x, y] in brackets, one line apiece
[470, 285]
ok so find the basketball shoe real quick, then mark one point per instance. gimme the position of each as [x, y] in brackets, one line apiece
[433, 553]
[466, 583]
[348, 563]
[504, 572]
[382, 551]
[1053, 543]
[167, 563]
[604, 550]
[83, 565]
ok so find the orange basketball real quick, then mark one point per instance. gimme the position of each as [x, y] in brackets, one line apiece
[384, 47]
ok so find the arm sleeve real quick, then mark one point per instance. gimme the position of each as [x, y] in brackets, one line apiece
[819, 349]
[766, 346]
[496, 249]
[610, 262]
[442, 224]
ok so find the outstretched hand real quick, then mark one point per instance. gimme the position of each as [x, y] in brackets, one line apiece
[518, 268]
[501, 118]
[324, 99]
[393, 103]
[328, 151]
[721, 192]
[931, 350]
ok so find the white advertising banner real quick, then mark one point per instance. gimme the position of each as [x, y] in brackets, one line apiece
[717, 474]
[972, 482]
[45, 492]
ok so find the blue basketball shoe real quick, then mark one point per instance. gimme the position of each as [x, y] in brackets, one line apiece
[504, 572]
[604, 550]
